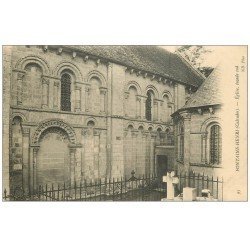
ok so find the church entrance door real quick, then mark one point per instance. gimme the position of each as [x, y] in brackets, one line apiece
[162, 165]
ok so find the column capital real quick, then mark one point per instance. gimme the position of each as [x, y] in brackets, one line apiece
[20, 75]
[35, 148]
[126, 95]
[138, 98]
[103, 90]
[97, 132]
[45, 80]
[204, 136]
[84, 131]
[56, 83]
[26, 131]
[185, 115]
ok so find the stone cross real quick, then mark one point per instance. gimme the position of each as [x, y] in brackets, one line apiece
[170, 179]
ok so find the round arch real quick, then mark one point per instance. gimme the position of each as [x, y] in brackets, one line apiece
[91, 119]
[159, 127]
[53, 123]
[97, 74]
[169, 95]
[210, 121]
[129, 124]
[135, 85]
[64, 66]
[153, 89]
[23, 62]
[18, 114]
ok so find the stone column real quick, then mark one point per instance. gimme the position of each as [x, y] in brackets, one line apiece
[26, 180]
[134, 151]
[152, 152]
[77, 99]
[87, 99]
[162, 117]
[96, 153]
[72, 151]
[45, 92]
[126, 95]
[187, 119]
[20, 77]
[155, 113]
[170, 109]
[103, 104]
[34, 172]
[56, 95]
[175, 96]
[138, 107]
[83, 163]
[143, 110]
[204, 148]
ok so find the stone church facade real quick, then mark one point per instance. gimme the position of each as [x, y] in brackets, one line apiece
[198, 129]
[87, 112]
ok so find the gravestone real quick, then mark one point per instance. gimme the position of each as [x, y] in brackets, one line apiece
[171, 180]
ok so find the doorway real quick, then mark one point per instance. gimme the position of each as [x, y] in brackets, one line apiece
[162, 165]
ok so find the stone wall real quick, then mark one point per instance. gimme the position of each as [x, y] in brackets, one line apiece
[108, 134]
[196, 146]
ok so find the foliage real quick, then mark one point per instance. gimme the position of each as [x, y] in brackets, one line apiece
[195, 54]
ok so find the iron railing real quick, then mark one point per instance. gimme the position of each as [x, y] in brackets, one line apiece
[145, 188]
[200, 182]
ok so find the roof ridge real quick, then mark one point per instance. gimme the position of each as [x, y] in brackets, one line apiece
[188, 63]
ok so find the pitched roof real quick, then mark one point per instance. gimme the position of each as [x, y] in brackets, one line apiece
[209, 93]
[153, 59]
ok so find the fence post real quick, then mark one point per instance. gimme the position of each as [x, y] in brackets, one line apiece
[113, 189]
[217, 186]
[198, 186]
[75, 189]
[58, 192]
[203, 181]
[222, 188]
[188, 178]
[100, 188]
[64, 191]
[52, 196]
[85, 189]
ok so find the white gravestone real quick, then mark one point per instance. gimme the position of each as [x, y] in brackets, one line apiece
[171, 180]
[189, 194]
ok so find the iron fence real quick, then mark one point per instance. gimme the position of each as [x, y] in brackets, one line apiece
[200, 182]
[145, 188]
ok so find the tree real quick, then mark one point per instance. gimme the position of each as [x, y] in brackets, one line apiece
[195, 54]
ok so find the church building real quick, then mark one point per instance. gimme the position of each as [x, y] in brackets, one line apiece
[198, 129]
[72, 113]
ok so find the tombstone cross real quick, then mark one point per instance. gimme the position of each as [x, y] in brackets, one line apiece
[170, 179]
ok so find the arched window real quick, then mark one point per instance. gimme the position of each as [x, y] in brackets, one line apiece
[166, 112]
[132, 112]
[148, 108]
[32, 87]
[215, 144]
[66, 92]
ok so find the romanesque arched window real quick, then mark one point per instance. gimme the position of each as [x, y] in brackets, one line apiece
[66, 92]
[31, 86]
[148, 108]
[215, 144]
[132, 101]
